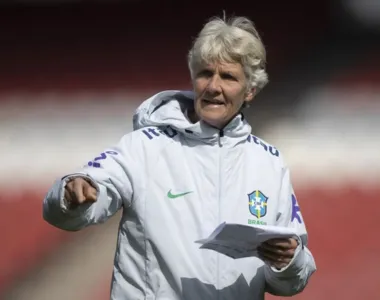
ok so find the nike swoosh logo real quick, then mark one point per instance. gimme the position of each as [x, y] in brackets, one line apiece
[173, 196]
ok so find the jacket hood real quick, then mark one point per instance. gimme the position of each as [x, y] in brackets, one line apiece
[168, 108]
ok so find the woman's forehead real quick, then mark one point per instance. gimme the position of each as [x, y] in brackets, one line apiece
[221, 66]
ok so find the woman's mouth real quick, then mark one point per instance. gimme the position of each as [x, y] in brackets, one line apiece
[213, 101]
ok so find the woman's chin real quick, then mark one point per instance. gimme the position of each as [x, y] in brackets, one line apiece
[215, 119]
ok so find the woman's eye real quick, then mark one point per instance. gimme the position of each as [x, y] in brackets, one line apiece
[205, 73]
[228, 76]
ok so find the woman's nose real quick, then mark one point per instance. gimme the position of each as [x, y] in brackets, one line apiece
[214, 85]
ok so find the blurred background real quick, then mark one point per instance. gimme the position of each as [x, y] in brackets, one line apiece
[73, 72]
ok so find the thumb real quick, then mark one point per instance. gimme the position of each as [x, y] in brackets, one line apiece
[90, 193]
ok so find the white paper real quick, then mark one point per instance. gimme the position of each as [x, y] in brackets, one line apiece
[238, 241]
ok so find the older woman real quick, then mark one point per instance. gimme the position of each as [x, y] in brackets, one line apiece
[190, 164]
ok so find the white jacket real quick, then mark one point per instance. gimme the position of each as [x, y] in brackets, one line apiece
[176, 182]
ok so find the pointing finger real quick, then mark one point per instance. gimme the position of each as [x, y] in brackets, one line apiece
[67, 196]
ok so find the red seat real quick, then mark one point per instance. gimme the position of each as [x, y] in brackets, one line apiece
[26, 238]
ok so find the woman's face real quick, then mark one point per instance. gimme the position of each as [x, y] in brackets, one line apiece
[220, 91]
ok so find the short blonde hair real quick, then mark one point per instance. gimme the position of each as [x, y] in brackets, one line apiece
[233, 41]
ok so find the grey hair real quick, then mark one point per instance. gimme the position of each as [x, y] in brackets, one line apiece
[232, 41]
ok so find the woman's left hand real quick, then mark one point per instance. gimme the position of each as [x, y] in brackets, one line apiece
[278, 252]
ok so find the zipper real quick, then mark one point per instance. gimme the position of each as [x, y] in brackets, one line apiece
[221, 135]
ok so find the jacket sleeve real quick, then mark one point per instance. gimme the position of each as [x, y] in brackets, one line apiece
[293, 278]
[112, 173]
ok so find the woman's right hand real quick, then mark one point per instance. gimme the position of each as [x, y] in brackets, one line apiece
[79, 191]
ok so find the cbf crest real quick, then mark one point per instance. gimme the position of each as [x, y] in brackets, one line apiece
[257, 203]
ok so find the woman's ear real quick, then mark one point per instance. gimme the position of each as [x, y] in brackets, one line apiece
[250, 95]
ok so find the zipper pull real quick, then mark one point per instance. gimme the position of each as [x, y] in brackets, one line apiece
[221, 134]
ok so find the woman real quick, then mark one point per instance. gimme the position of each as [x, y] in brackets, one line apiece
[190, 164]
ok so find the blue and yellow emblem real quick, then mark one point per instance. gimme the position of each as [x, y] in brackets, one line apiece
[257, 203]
